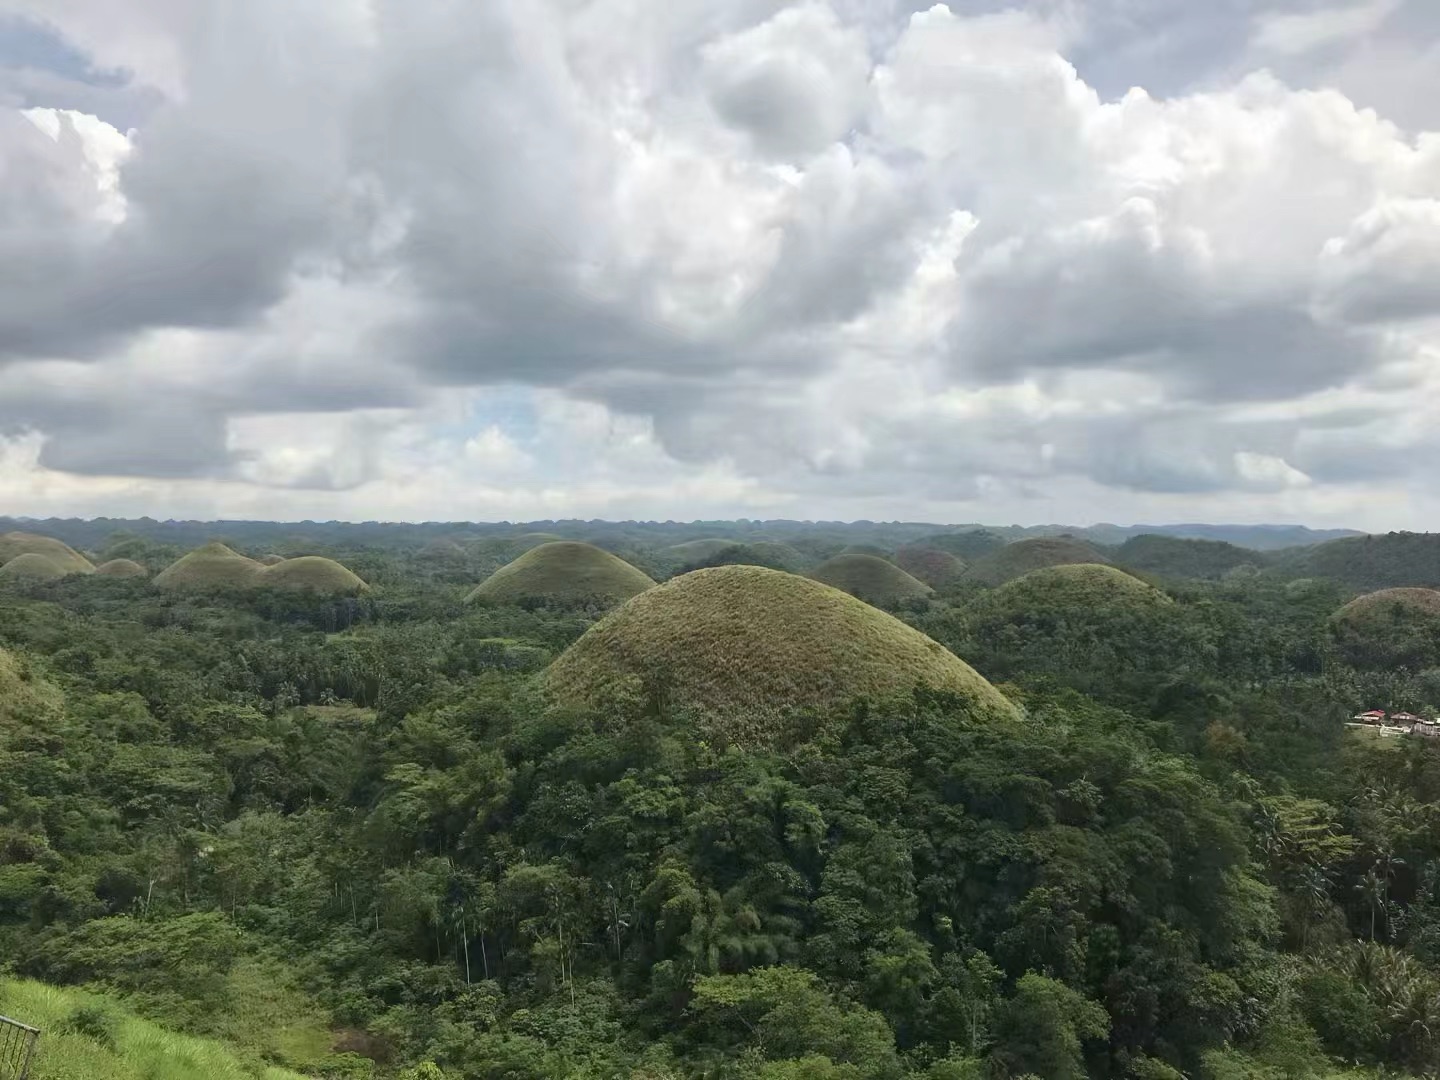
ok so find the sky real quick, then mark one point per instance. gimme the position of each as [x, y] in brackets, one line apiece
[1040, 261]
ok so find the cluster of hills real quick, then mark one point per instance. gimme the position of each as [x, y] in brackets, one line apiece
[796, 798]
[33, 559]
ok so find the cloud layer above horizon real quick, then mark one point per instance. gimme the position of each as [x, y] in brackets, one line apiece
[387, 259]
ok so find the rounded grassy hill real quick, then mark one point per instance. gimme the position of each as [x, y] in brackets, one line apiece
[1392, 628]
[63, 555]
[1013, 560]
[213, 566]
[271, 560]
[870, 578]
[311, 573]
[563, 573]
[934, 567]
[1084, 589]
[741, 648]
[122, 568]
[31, 568]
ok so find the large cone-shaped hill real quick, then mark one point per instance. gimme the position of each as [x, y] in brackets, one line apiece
[61, 554]
[31, 568]
[213, 566]
[1009, 562]
[740, 648]
[1080, 590]
[311, 573]
[871, 579]
[122, 568]
[1390, 629]
[564, 573]
[934, 567]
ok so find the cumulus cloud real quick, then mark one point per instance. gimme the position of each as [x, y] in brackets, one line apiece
[817, 256]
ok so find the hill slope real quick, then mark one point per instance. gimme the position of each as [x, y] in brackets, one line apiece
[1021, 557]
[742, 648]
[122, 568]
[1175, 557]
[1370, 562]
[1390, 629]
[871, 579]
[563, 573]
[933, 566]
[91, 1036]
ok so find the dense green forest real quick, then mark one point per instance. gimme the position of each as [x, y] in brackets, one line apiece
[353, 829]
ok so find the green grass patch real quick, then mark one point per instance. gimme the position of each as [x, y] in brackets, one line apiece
[88, 1036]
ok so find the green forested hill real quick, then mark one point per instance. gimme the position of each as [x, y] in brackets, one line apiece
[353, 837]
[1173, 557]
[1394, 560]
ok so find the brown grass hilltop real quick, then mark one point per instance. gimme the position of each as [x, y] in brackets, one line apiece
[62, 554]
[563, 573]
[122, 568]
[311, 573]
[1012, 560]
[870, 578]
[213, 566]
[744, 649]
[31, 568]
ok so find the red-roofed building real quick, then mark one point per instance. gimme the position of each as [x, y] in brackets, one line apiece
[1374, 716]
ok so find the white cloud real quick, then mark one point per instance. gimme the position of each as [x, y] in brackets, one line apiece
[1301, 32]
[737, 254]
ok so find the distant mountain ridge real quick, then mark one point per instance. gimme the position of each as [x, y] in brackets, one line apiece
[92, 533]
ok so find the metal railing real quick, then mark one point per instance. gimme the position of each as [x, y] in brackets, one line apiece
[17, 1049]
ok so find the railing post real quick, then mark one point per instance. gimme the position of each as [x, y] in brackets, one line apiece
[17, 1049]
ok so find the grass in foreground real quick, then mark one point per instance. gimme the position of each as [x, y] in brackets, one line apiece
[90, 1037]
